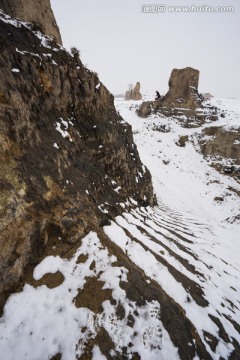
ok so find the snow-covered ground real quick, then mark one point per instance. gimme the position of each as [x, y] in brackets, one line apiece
[186, 187]
[185, 245]
[186, 184]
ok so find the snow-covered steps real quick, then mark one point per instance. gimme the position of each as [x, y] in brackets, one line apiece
[205, 286]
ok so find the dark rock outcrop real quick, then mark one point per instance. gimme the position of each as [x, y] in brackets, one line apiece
[221, 142]
[36, 12]
[134, 94]
[222, 146]
[67, 158]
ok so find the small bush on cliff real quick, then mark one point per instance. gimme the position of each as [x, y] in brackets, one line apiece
[75, 51]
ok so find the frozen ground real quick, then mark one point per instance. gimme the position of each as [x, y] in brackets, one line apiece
[184, 246]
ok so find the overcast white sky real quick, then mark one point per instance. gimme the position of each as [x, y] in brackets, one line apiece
[124, 45]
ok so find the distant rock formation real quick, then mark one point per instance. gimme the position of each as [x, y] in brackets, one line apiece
[183, 89]
[207, 96]
[134, 94]
[37, 12]
[182, 99]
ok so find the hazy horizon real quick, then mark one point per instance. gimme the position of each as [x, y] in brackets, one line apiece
[125, 45]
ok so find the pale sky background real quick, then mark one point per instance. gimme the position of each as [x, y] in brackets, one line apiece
[124, 45]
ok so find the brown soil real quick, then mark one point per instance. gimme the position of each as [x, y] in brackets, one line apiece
[93, 295]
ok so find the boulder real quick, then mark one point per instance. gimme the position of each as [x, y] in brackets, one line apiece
[145, 109]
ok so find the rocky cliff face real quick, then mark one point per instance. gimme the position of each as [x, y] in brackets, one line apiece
[68, 161]
[37, 12]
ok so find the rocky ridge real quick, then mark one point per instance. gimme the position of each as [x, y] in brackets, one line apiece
[68, 161]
